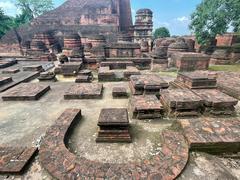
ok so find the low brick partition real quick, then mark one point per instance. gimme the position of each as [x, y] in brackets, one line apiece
[84, 91]
[196, 80]
[147, 84]
[211, 135]
[229, 83]
[15, 159]
[62, 164]
[216, 102]
[7, 63]
[188, 61]
[181, 102]
[26, 92]
[28, 77]
[33, 68]
[10, 71]
[5, 80]
[146, 107]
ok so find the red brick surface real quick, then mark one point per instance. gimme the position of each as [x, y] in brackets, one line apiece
[14, 159]
[61, 164]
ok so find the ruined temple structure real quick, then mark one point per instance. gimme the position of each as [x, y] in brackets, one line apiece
[227, 50]
[87, 17]
[143, 28]
[73, 46]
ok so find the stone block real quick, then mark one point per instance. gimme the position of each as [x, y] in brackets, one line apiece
[33, 68]
[11, 71]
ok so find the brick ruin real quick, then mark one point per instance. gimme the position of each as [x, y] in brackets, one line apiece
[106, 61]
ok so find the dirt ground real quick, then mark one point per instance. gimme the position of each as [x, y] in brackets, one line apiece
[25, 123]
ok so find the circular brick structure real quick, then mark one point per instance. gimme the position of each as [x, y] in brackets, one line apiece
[62, 164]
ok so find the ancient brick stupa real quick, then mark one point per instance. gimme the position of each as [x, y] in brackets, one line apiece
[87, 17]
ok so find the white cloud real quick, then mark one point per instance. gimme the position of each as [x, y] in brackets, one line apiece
[9, 8]
[182, 19]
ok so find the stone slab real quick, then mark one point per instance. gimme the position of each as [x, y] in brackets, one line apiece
[15, 159]
[84, 91]
[26, 92]
[146, 107]
[214, 135]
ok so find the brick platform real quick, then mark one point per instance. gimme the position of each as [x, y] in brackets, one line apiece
[117, 71]
[119, 92]
[212, 135]
[33, 68]
[7, 63]
[229, 83]
[216, 102]
[147, 84]
[15, 159]
[114, 126]
[25, 92]
[181, 102]
[196, 80]
[146, 107]
[5, 80]
[84, 91]
[188, 61]
[61, 164]
[11, 71]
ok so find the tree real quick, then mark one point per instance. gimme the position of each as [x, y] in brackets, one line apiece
[161, 33]
[213, 17]
[5, 23]
[34, 8]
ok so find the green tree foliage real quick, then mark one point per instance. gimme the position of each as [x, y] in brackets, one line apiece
[161, 33]
[214, 17]
[5, 23]
[34, 8]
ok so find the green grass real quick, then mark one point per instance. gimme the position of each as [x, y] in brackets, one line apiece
[228, 68]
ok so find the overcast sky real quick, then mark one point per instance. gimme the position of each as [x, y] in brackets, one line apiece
[173, 14]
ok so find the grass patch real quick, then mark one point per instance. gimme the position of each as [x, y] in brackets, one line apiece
[228, 68]
[169, 74]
